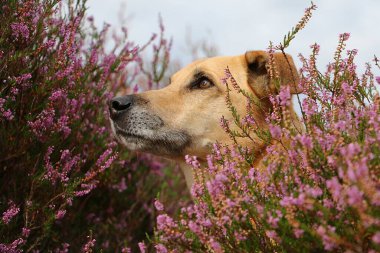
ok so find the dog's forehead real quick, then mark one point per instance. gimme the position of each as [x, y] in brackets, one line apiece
[214, 65]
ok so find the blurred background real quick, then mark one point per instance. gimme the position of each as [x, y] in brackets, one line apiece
[227, 27]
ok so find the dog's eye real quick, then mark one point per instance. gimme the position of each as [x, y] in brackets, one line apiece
[202, 83]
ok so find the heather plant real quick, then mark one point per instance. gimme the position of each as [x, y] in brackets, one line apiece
[319, 188]
[64, 183]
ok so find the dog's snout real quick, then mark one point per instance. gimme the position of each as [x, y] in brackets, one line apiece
[120, 104]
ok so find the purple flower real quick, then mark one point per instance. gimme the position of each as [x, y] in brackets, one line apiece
[20, 30]
[298, 232]
[60, 214]
[328, 243]
[25, 232]
[192, 161]
[126, 250]
[354, 196]
[164, 221]
[142, 247]
[376, 238]
[121, 186]
[378, 79]
[11, 212]
[284, 96]
[24, 77]
[335, 187]
[158, 205]
[275, 131]
[8, 114]
[306, 141]
[194, 227]
[345, 36]
[57, 95]
[272, 234]
[87, 248]
[161, 248]
[12, 247]
[215, 246]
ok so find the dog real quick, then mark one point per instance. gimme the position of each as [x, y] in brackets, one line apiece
[184, 117]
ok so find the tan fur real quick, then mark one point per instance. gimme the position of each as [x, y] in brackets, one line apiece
[198, 112]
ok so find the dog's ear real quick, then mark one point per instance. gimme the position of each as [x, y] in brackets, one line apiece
[258, 76]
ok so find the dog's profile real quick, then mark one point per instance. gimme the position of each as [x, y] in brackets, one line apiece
[184, 117]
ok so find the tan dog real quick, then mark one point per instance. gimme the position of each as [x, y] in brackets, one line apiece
[184, 117]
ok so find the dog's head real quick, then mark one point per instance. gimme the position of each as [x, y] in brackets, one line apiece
[184, 117]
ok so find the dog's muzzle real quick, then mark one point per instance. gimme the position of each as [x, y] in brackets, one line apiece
[138, 128]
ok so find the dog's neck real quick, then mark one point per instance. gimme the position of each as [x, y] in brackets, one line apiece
[188, 172]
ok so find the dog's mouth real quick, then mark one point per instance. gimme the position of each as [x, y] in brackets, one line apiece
[163, 141]
[125, 137]
[119, 132]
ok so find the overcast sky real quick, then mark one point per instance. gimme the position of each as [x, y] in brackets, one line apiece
[235, 26]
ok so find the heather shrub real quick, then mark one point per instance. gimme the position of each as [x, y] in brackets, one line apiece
[65, 185]
[319, 189]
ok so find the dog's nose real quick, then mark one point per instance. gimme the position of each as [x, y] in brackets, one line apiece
[119, 104]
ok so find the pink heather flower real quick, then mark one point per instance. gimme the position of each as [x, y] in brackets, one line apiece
[376, 238]
[220, 177]
[273, 221]
[335, 187]
[376, 199]
[239, 236]
[345, 36]
[378, 79]
[164, 221]
[14, 90]
[272, 234]
[284, 96]
[142, 247]
[89, 245]
[86, 189]
[20, 30]
[136, 89]
[354, 195]
[298, 232]
[57, 95]
[126, 250]
[12, 247]
[309, 106]
[194, 227]
[347, 89]
[161, 248]
[12, 211]
[315, 191]
[121, 186]
[62, 126]
[328, 243]
[25, 232]
[60, 214]
[306, 141]
[224, 123]
[192, 160]
[102, 158]
[8, 115]
[215, 246]
[24, 77]
[197, 190]
[350, 150]
[158, 205]
[44, 122]
[275, 131]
